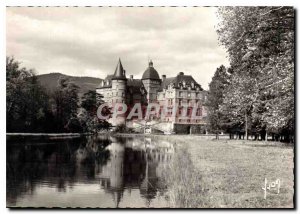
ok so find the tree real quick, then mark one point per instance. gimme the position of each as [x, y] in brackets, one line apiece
[27, 106]
[217, 88]
[90, 102]
[260, 45]
[65, 103]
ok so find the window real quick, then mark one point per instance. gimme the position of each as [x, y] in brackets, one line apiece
[189, 94]
[199, 113]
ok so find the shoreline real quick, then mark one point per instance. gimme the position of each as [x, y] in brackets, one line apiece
[45, 136]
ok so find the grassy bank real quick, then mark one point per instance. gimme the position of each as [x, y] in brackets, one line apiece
[186, 187]
[229, 174]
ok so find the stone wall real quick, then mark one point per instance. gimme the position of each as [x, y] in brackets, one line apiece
[189, 129]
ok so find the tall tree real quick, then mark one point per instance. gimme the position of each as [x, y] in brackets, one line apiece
[26, 100]
[66, 104]
[90, 103]
[217, 88]
[260, 44]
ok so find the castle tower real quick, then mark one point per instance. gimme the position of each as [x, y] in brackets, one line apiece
[151, 82]
[118, 89]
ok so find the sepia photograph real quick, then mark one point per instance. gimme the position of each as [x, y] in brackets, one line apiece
[150, 107]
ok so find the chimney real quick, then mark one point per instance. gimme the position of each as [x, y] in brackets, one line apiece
[131, 76]
[163, 77]
[181, 73]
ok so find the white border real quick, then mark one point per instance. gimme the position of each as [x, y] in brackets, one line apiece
[102, 3]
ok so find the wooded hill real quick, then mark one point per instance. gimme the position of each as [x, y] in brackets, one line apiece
[50, 81]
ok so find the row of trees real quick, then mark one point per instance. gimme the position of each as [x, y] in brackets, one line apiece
[255, 95]
[30, 108]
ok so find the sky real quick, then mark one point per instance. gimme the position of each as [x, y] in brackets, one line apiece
[88, 41]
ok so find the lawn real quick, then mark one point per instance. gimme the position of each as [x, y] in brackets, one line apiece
[230, 174]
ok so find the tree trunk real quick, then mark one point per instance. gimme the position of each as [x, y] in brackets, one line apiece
[246, 125]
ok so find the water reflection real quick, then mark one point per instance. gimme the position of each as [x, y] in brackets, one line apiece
[87, 172]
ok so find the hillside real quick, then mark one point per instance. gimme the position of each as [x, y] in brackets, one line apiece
[49, 81]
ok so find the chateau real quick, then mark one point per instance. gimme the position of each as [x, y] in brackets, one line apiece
[180, 91]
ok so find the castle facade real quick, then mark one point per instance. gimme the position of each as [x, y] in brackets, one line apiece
[180, 91]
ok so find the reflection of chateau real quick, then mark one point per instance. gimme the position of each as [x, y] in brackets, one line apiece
[181, 90]
[125, 168]
[135, 165]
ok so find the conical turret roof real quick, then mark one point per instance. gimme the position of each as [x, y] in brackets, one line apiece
[119, 72]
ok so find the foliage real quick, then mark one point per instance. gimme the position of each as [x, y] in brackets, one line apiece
[122, 128]
[90, 103]
[217, 88]
[66, 101]
[260, 45]
[26, 100]
[30, 108]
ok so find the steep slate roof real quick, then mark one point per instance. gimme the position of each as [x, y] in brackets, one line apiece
[179, 79]
[150, 73]
[119, 72]
[134, 84]
[167, 81]
[108, 77]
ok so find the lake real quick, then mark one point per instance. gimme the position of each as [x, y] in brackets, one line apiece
[96, 172]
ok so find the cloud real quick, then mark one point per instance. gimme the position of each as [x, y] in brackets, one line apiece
[87, 41]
